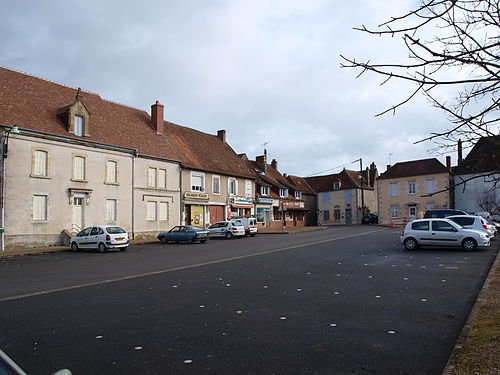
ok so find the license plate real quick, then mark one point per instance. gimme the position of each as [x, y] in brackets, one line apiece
[119, 239]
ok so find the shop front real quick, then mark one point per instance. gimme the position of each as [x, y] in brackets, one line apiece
[293, 212]
[195, 208]
[239, 206]
[264, 211]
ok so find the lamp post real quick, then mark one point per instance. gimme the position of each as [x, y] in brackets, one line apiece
[5, 149]
[362, 191]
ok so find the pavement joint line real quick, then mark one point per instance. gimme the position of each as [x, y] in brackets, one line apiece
[159, 272]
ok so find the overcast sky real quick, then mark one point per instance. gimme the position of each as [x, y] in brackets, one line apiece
[266, 71]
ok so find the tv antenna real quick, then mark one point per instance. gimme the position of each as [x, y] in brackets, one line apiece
[264, 145]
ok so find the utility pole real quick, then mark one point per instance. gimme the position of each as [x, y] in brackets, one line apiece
[362, 191]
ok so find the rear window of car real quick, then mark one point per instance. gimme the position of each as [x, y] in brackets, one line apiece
[115, 230]
[420, 225]
[463, 220]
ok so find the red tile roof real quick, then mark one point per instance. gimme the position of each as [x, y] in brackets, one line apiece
[301, 184]
[414, 168]
[348, 180]
[32, 103]
[484, 157]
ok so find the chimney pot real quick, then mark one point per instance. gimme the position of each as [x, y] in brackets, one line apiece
[221, 134]
[261, 162]
[448, 162]
[157, 110]
[388, 166]
[274, 164]
[459, 151]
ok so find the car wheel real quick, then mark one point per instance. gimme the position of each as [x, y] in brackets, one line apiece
[123, 248]
[252, 235]
[410, 243]
[163, 239]
[203, 241]
[74, 247]
[101, 248]
[229, 235]
[469, 244]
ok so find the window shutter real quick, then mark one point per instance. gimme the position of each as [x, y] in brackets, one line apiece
[163, 210]
[151, 210]
[152, 177]
[162, 178]
[79, 168]
[39, 207]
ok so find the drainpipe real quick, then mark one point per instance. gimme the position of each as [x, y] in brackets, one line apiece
[133, 193]
[181, 201]
[2, 192]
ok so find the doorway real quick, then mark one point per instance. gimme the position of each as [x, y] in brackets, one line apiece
[78, 214]
[348, 216]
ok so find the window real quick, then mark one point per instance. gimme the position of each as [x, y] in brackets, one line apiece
[39, 207]
[283, 193]
[394, 212]
[152, 178]
[430, 206]
[216, 184]
[110, 209]
[264, 190]
[79, 168]
[412, 188]
[430, 185]
[162, 178]
[463, 221]
[40, 163]
[111, 171]
[420, 225]
[163, 208]
[79, 124]
[326, 216]
[394, 189]
[248, 188]
[151, 210]
[442, 226]
[232, 187]
[197, 181]
[298, 195]
[336, 185]
[336, 214]
[412, 210]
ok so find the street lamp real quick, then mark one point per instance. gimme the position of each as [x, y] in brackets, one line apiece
[5, 149]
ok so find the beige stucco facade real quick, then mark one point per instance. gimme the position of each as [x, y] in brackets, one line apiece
[207, 197]
[401, 199]
[40, 207]
[344, 206]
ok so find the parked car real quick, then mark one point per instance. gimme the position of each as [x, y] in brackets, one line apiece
[493, 225]
[189, 233]
[442, 213]
[484, 214]
[9, 367]
[369, 219]
[442, 232]
[249, 223]
[473, 222]
[100, 237]
[228, 229]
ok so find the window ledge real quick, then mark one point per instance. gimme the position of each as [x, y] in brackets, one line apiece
[40, 176]
[75, 180]
[112, 183]
[40, 221]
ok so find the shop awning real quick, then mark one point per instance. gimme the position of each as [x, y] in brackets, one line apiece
[296, 209]
[241, 206]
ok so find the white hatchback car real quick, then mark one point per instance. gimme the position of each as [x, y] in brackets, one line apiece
[228, 229]
[100, 237]
[473, 222]
[442, 232]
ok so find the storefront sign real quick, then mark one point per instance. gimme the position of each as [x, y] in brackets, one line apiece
[240, 200]
[264, 200]
[192, 195]
[292, 204]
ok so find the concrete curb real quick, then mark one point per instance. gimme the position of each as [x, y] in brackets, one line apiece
[457, 349]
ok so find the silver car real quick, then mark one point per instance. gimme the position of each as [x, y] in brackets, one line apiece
[473, 222]
[442, 232]
[228, 229]
[100, 237]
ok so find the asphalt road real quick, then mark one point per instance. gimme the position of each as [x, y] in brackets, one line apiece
[348, 300]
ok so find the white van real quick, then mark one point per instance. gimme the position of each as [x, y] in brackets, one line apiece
[249, 223]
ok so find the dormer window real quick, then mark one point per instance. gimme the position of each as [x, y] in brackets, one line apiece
[336, 185]
[283, 193]
[79, 125]
[298, 195]
[76, 116]
[264, 190]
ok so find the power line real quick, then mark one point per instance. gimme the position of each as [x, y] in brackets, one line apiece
[331, 169]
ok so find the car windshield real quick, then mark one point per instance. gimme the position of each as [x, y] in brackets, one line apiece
[114, 230]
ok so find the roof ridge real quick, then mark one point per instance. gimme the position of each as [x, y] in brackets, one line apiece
[71, 87]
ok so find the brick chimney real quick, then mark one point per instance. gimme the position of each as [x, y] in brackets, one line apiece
[157, 117]
[261, 162]
[221, 134]
[388, 167]
[459, 146]
[448, 163]
[274, 164]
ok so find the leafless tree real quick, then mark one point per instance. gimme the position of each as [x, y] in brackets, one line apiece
[463, 52]
[487, 200]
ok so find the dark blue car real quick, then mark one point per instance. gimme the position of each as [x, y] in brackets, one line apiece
[188, 233]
